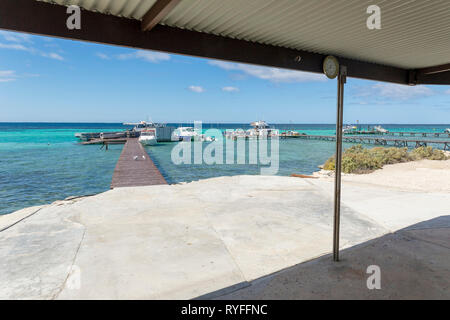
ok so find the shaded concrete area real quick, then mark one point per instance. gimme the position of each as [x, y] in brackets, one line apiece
[185, 241]
[414, 264]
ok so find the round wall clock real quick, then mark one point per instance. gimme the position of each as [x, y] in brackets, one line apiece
[331, 67]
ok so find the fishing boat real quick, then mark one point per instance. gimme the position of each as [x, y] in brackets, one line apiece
[261, 130]
[113, 135]
[380, 129]
[143, 125]
[291, 134]
[184, 134]
[163, 132]
[260, 125]
[148, 137]
[349, 129]
[86, 136]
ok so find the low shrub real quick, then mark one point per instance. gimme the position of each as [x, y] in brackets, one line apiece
[428, 153]
[364, 160]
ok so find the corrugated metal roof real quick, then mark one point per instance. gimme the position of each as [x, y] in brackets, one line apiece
[134, 9]
[414, 34]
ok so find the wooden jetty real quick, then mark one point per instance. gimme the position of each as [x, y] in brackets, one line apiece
[396, 142]
[135, 168]
[401, 134]
[422, 134]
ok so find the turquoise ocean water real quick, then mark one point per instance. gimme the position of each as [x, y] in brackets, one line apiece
[43, 162]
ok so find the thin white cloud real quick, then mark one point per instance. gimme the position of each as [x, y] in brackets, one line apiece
[102, 56]
[7, 75]
[52, 55]
[11, 75]
[150, 56]
[197, 89]
[15, 46]
[399, 92]
[16, 37]
[271, 74]
[21, 47]
[230, 89]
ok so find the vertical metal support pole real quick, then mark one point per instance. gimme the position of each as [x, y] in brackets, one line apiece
[342, 79]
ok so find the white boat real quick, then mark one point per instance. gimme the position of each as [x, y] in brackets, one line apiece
[349, 129]
[184, 134]
[113, 135]
[447, 130]
[148, 137]
[143, 125]
[260, 125]
[163, 132]
[261, 130]
[380, 129]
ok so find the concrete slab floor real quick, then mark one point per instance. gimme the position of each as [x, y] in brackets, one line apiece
[414, 264]
[189, 240]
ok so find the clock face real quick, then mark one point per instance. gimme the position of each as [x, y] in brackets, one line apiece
[331, 67]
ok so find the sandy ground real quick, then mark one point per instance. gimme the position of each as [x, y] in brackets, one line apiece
[421, 176]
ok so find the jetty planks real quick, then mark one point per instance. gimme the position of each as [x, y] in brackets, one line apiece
[135, 168]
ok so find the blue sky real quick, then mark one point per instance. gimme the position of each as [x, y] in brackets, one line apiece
[55, 80]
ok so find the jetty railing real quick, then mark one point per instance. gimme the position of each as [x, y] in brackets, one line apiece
[401, 134]
[382, 141]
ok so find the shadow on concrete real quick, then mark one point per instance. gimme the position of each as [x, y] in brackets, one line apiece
[414, 264]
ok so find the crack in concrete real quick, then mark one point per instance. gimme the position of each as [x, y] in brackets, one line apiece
[70, 268]
[14, 223]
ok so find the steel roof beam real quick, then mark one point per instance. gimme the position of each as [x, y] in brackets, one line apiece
[157, 12]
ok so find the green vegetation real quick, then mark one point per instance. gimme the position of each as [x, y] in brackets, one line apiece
[363, 160]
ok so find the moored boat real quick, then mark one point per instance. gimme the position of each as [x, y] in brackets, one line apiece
[261, 130]
[163, 132]
[86, 136]
[184, 134]
[349, 129]
[380, 129]
[113, 135]
[148, 137]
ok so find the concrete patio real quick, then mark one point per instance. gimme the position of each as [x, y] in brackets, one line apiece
[414, 264]
[221, 237]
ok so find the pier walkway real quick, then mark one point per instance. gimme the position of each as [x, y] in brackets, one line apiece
[135, 168]
[413, 134]
[396, 142]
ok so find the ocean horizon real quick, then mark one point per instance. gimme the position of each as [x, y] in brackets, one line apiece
[42, 161]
